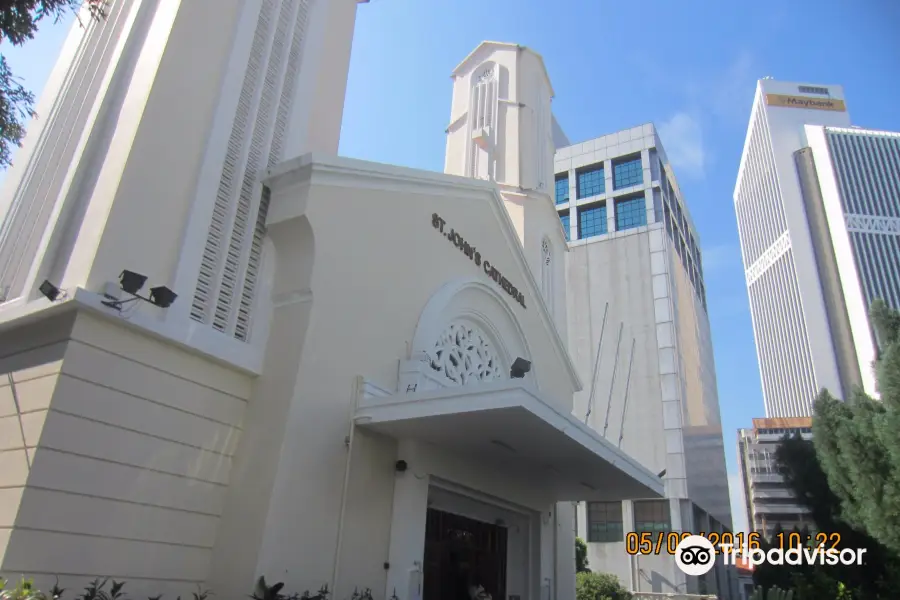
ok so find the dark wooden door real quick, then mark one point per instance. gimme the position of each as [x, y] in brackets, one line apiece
[460, 552]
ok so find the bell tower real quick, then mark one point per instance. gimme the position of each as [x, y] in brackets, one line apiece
[501, 122]
[501, 130]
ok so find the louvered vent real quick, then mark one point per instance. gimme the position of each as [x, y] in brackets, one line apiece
[290, 80]
[482, 115]
[242, 230]
[229, 272]
[276, 154]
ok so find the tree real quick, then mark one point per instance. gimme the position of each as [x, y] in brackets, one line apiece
[599, 586]
[769, 576]
[858, 443]
[19, 20]
[799, 462]
[581, 559]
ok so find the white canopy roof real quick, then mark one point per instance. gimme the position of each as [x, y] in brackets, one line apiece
[511, 424]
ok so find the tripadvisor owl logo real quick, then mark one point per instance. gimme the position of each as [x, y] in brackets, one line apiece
[695, 555]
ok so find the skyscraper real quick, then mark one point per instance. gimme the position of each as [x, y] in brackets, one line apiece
[850, 178]
[794, 344]
[817, 205]
[639, 334]
[769, 501]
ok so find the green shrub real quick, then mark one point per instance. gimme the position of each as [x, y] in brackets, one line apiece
[273, 592]
[581, 559]
[599, 586]
[97, 590]
[23, 591]
[774, 593]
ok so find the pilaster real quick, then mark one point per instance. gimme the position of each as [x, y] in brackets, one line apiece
[406, 552]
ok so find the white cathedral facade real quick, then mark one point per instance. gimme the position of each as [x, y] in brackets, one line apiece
[343, 373]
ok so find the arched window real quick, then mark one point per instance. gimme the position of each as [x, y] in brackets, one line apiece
[547, 273]
[482, 120]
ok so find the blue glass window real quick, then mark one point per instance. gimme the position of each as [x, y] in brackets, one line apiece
[562, 189]
[679, 217]
[592, 221]
[564, 217]
[652, 516]
[605, 522]
[631, 212]
[628, 173]
[591, 182]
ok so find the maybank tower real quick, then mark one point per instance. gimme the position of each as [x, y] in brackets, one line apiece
[818, 211]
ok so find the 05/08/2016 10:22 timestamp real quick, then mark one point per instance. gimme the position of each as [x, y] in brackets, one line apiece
[666, 542]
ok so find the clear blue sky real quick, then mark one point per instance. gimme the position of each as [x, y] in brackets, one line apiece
[689, 66]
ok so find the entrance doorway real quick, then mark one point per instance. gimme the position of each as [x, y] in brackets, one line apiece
[461, 552]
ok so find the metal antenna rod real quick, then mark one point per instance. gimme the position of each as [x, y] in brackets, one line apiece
[612, 383]
[590, 405]
[625, 402]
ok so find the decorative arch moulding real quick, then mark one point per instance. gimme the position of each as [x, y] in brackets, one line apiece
[463, 354]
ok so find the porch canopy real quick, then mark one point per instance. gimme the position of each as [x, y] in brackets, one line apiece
[509, 424]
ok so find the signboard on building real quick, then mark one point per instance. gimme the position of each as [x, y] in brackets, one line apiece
[805, 102]
[472, 252]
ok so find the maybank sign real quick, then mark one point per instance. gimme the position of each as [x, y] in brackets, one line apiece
[805, 102]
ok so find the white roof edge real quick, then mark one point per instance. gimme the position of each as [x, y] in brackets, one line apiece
[597, 137]
[364, 167]
[860, 131]
[475, 50]
[509, 46]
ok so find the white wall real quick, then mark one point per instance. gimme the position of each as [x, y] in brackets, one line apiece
[617, 272]
[130, 443]
[357, 292]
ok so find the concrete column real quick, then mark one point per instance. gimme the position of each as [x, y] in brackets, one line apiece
[633, 582]
[610, 203]
[650, 206]
[648, 181]
[678, 524]
[547, 544]
[407, 547]
[565, 551]
[627, 517]
[573, 211]
[573, 186]
[645, 166]
[675, 515]
[581, 520]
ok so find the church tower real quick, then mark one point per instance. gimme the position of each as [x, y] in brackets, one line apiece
[152, 131]
[502, 130]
